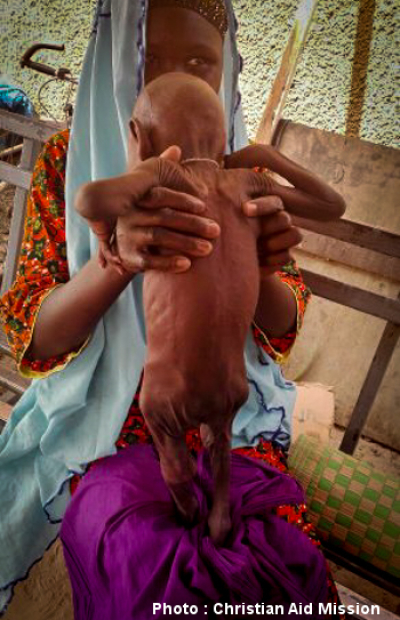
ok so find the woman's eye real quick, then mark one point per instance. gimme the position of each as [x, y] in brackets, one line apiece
[196, 62]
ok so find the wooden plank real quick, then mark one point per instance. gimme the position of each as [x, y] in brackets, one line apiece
[13, 150]
[4, 346]
[370, 388]
[363, 236]
[15, 176]
[12, 380]
[367, 175]
[364, 569]
[30, 152]
[346, 254]
[15, 238]
[5, 411]
[353, 297]
[10, 398]
[367, 612]
[284, 79]
[28, 127]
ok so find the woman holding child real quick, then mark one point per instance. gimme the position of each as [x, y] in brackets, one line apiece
[80, 328]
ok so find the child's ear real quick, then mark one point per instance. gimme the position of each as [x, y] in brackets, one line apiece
[141, 138]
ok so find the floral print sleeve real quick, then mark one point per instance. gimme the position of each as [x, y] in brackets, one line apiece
[42, 264]
[279, 348]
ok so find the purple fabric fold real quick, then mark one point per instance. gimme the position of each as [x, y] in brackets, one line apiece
[126, 550]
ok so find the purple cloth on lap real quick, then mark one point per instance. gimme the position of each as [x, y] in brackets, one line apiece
[125, 549]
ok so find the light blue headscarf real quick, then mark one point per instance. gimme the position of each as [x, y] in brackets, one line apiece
[73, 417]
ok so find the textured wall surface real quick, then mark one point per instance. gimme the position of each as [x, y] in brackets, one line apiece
[25, 22]
[381, 107]
[319, 97]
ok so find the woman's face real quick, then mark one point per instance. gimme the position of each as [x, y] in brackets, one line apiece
[181, 40]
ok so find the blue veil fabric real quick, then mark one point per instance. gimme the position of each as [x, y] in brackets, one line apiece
[73, 417]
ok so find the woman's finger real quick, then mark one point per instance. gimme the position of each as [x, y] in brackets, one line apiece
[111, 198]
[275, 223]
[138, 262]
[173, 153]
[160, 197]
[279, 242]
[161, 238]
[268, 205]
[192, 225]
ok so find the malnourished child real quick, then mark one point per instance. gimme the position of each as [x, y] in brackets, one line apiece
[197, 321]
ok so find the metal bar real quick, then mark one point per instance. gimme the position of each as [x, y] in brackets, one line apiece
[353, 297]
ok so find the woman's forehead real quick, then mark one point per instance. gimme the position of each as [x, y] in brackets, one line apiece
[213, 11]
[181, 26]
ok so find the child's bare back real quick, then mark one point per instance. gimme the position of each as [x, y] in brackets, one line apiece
[197, 323]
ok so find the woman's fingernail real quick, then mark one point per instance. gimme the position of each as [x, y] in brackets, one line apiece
[204, 246]
[213, 227]
[182, 263]
[251, 208]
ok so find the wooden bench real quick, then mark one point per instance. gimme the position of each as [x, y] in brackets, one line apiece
[351, 243]
[358, 245]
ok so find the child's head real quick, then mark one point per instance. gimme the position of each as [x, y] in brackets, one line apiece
[177, 109]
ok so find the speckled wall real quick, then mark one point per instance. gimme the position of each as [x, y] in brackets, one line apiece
[325, 93]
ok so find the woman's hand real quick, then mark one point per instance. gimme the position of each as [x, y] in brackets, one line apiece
[164, 231]
[277, 235]
[155, 216]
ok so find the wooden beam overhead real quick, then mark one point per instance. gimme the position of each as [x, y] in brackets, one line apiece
[285, 76]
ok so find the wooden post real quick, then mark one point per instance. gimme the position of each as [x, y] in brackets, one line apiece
[287, 70]
[30, 152]
[371, 386]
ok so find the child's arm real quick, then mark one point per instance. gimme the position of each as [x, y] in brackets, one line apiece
[310, 197]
